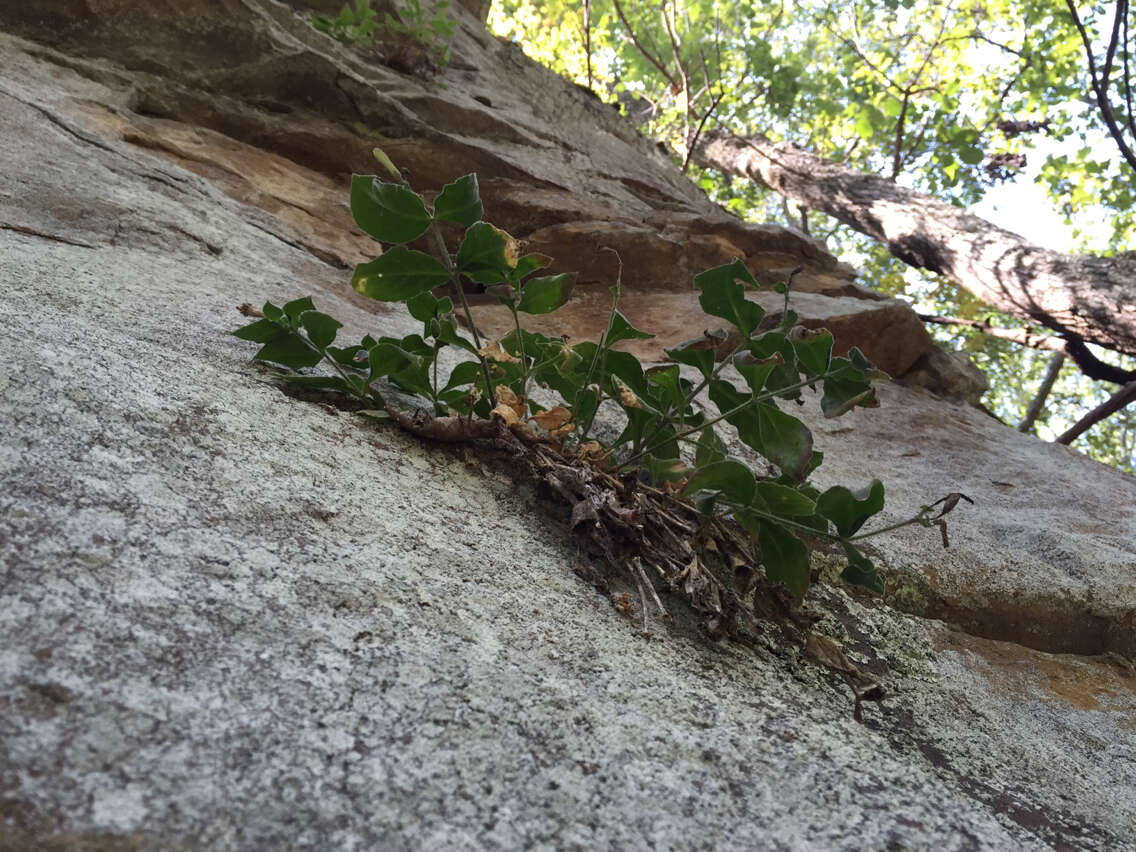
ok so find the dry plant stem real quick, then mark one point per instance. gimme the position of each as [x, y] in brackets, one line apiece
[654, 594]
[639, 580]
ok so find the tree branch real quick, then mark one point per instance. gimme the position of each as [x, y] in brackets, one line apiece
[1052, 370]
[1075, 349]
[1121, 399]
[588, 37]
[631, 34]
[1085, 297]
[1021, 336]
[1100, 83]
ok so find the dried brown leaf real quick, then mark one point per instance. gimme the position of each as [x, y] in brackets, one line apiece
[506, 397]
[627, 396]
[506, 413]
[494, 352]
[553, 420]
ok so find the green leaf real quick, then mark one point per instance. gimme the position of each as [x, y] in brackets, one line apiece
[465, 373]
[481, 255]
[398, 274]
[294, 308]
[785, 440]
[386, 359]
[289, 350]
[546, 294]
[387, 211]
[784, 556]
[730, 478]
[668, 379]
[868, 120]
[776, 344]
[705, 502]
[849, 511]
[423, 307]
[412, 343]
[727, 397]
[782, 439]
[860, 571]
[814, 351]
[529, 264]
[415, 378]
[272, 313]
[459, 201]
[261, 331]
[892, 107]
[348, 356]
[585, 405]
[448, 333]
[710, 448]
[756, 372]
[814, 462]
[320, 327]
[846, 387]
[620, 329]
[622, 364]
[700, 358]
[550, 352]
[638, 422]
[722, 296]
[972, 155]
[783, 500]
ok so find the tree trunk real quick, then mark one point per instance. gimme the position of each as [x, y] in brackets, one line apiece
[1081, 296]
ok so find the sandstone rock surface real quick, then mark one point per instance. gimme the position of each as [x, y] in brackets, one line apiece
[233, 619]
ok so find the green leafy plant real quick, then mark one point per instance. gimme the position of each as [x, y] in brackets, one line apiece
[359, 25]
[352, 26]
[661, 491]
[431, 31]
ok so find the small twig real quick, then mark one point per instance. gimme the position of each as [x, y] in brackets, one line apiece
[642, 596]
[642, 574]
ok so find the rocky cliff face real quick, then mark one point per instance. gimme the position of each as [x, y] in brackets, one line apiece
[237, 620]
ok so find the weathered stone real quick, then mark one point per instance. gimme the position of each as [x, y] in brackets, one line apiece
[234, 619]
[1043, 558]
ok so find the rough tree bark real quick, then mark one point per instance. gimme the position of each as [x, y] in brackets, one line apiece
[1083, 297]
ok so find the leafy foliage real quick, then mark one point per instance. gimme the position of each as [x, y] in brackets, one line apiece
[352, 25]
[359, 26]
[668, 437]
[434, 31]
